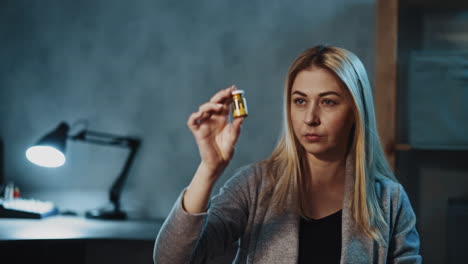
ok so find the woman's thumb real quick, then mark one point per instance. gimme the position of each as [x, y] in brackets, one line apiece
[236, 126]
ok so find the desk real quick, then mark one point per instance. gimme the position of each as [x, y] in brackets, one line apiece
[72, 239]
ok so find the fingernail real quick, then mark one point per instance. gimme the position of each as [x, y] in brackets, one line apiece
[219, 105]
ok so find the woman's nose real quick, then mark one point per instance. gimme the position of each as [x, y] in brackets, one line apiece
[312, 116]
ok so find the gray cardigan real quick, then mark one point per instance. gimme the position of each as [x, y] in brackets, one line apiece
[237, 226]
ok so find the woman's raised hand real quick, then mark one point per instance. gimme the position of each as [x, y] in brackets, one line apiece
[215, 136]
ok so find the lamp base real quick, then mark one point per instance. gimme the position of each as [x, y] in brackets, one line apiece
[106, 214]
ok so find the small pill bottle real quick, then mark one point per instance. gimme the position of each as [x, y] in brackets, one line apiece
[239, 104]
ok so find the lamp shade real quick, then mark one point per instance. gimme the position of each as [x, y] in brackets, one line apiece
[49, 150]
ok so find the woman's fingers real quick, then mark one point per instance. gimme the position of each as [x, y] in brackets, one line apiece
[218, 105]
[206, 111]
[212, 108]
[223, 96]
[193, 121]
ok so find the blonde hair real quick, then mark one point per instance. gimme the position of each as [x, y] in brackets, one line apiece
[287, 163]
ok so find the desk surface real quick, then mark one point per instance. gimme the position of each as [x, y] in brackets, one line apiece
[75, 227]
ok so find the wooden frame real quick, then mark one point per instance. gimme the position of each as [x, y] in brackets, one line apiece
[385, 93]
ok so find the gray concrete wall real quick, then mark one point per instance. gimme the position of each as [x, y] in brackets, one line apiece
[140, 68]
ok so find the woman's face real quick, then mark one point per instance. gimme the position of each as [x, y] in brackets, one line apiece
[321, 113]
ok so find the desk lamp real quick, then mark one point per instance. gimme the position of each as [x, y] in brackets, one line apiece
[50, 152]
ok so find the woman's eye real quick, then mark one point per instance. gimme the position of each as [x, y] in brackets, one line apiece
[299, 101]
[328, 102]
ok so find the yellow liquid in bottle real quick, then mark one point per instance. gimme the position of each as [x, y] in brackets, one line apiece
[239, 104]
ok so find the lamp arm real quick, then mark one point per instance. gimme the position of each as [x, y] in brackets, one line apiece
[116, 190]
[100, 138]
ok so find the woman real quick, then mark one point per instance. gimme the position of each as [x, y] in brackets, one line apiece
[326, 194]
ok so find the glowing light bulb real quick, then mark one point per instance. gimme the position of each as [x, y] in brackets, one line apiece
[45, 156]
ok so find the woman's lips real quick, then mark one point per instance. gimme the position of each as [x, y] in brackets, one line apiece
[312, 137]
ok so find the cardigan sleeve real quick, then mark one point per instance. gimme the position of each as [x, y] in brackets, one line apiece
[404, 242]
[200, 238]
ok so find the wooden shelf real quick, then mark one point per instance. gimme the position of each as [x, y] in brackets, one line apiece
[386, 74]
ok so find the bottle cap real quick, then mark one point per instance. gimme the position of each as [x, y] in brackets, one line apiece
[238, 92]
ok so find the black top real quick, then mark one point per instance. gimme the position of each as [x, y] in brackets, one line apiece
[320, 240]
